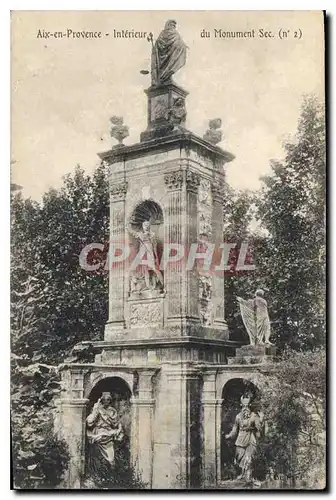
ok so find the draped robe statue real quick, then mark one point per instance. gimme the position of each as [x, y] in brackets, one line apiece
[148, 245]
[246, 430]
[168, 55]
[255, 318]
[103, 431]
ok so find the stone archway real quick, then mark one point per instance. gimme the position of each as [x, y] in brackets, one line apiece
[121, 400]
[231, 405]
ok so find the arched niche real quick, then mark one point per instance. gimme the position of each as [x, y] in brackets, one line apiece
[147, 210]
[121, 400]
[232, 391]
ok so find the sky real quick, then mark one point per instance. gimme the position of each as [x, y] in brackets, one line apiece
[65, 90]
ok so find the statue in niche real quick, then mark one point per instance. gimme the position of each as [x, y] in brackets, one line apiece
[148, 245]
[169, 54]
[104, 430]
[246, 431]
[255, 317]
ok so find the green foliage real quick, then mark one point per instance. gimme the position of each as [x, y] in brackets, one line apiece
[289, 246]
[39, 458]
[123, 476]
[293, 401]
[70, 302]
[292, 210]
[54, 305]
[238, 214]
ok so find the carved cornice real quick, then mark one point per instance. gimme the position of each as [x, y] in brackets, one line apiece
[192, 181]
[174, 180]
[181, 140]
[118, 191]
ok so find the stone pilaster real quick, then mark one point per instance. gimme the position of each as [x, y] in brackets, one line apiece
[192, 183]
[210, 424]
[72, 430]
[176, 463]
[142, 435]
[173, 234]
[117, 270]
[218, 427]
[217, 188]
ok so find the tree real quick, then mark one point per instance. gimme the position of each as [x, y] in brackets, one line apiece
[54, 304]
[293, 401]
[46, 242]
[239, 212]
[292, 209]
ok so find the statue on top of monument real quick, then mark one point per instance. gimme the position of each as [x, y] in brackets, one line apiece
[255, 317]
[169, 54]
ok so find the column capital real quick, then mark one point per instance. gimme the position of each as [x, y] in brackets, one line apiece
[174, 180]
[192, 181]
[143, 402]
[210, 375]
[118, 191]
[182, 373]
[210, 402]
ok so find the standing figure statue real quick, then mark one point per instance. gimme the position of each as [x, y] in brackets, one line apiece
[148, 244]
[246, 431]
[255, 317]
[103, 431]
[169, 54]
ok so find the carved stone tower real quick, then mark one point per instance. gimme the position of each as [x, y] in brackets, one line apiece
[175, 179]
[166, 340]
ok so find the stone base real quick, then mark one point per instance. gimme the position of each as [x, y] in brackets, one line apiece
[254, 354]
[163, 350]
[171, 331]
[166, 111]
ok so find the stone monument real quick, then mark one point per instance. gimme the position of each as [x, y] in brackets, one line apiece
[164, 356]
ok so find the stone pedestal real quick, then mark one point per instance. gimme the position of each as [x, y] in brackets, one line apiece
[254, 354]
[166, 111]
[176, 408]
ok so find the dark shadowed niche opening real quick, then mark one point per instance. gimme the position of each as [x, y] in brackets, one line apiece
[144, 211]
[121, 401]
[231, 406]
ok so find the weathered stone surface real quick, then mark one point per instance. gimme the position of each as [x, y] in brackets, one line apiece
[253, 354]
[169, 349]
[256, 350]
